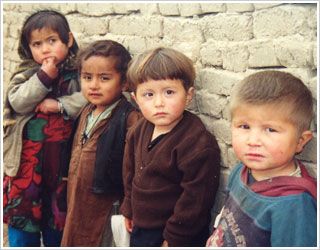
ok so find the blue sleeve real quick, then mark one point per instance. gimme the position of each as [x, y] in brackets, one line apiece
[294, 222]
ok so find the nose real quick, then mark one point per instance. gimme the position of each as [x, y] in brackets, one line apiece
[45, 48]
[93, 83]
[158, 101]
[254, 138]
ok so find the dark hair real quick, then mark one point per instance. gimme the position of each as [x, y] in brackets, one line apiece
[44, 19]
[107, 48]
[160, 64]
[282, 89]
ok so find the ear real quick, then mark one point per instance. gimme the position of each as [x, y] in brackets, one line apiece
[305, 137]
[133, 96]
[70, 41]
[190, 94]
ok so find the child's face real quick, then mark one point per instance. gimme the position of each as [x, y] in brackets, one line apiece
[45, 43]
[162, 102]
[265, 141]
[100, 81]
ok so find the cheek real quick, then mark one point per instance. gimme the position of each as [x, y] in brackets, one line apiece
[237, 143]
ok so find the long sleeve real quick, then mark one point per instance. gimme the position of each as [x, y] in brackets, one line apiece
[26, 91]
[128, 174]
[200, 183]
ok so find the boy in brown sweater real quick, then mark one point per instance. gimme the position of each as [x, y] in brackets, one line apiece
[171, 162]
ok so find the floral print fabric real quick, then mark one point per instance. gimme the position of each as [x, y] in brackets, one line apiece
[36, 196]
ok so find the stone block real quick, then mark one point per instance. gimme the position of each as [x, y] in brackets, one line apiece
[148, 8]
[313, 87]
[315, 55]
[221, 129]
[228, 27]
[260, 6]
[212, 7]
[182, 30]
[262, 54]
[125, 8]
[190, 49]
[136, 25]
[135, 44]
[210, 104]
[240, 7]
[282, 21]
[95, 26]
[211, 53]
[219, 82]
[95, 9]
[294, 54]
[236, 57]
[189, 9]
[169, 9]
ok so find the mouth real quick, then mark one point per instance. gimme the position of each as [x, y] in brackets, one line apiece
[94, 95]
[254, 156]
[160, 114]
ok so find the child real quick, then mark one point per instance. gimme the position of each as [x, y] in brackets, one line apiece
[95, 174]
[272, 198]
[171, 162]
[42, 98]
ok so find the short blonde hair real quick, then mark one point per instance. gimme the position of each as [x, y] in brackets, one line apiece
[278, 88]
[160, 64]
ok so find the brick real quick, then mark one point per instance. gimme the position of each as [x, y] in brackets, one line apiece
[315, 56]
[95, 9]
[217, 81]
[190, 49]
[213, 7]
[135, 44]
[293, 53]
[228, 27]
[95, 26]
[140, 26]
[211, 52]
[148, 8]
[125, 8]
[282, 21]
[189, 9]
[221, 129]
[240, 7]
[236, 57]
[313, 87]
[169, 9]
[260, 6]
[210, 104]
[182, 30]
[262, 54]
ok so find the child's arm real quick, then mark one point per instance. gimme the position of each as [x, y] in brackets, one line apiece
[25, 91]
[127, 175]
[192, 210]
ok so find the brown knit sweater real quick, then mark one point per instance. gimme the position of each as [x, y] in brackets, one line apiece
[174, 184]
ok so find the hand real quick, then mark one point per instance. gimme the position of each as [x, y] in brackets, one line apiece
[48, 106]
[165, 244]
[49, 66]
[129, 224]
